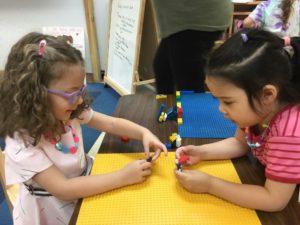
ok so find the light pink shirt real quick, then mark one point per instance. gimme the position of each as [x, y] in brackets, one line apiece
[280, 146]
[22, 163]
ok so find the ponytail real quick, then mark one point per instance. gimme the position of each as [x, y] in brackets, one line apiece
[286, 7]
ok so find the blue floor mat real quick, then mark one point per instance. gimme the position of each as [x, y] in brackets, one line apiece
[202, 119]
[2, 143]
[5, 217]
[105, 100]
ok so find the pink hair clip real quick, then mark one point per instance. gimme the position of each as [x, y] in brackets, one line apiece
[42, 47]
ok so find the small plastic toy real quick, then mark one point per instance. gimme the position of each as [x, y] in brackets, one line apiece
[173, 137]
[178, 141]
[160, 114]
[168, 145]
[163, 117]
[181, 161]
[149, 159]
[179, 112]
[177, 95]
[160, 97]
[175, 141]
[179, 121]
[124, 139]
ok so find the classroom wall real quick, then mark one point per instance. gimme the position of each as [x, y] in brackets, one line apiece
[101, 14]
[20, 17]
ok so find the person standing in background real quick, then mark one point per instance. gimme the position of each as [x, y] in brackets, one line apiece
[188, 30]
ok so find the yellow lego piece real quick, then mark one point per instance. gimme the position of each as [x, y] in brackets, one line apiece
[160, 119]
[173, 137]
[179, 121]
[178, 104]
[160, 97]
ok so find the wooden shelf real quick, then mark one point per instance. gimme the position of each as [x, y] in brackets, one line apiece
[248, 3]
[241, 13]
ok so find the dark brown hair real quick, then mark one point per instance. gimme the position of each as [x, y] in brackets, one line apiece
[286, 7]
[23, 87]
[253, 63]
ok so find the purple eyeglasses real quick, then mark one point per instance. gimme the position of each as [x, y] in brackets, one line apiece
[71, 97]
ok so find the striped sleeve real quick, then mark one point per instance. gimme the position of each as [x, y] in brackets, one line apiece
[257, 15]
[283, 159]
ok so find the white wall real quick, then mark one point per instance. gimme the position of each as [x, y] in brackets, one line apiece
[20, 17]
[101, 13]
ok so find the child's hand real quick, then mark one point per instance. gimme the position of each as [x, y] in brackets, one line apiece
[191, 151]
[151, 141]
[136, 172]
[194, 181]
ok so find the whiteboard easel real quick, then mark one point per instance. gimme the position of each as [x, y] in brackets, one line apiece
[125, 38]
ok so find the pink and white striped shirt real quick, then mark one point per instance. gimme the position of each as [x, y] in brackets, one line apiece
[279, 149]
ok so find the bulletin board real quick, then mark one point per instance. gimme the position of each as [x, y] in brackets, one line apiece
[161, 200]
[128, 43]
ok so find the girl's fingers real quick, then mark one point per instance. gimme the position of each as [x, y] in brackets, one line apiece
[146, 165]
[146, 173]
[179, 152]
[146, 149]
[179, 175]
[156, 154]
[164, 148]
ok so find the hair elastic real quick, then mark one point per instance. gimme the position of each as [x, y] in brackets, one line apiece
[287, 41]
[244, 37]
[42, 47]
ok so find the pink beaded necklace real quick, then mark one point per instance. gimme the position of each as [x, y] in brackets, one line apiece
[63, 148]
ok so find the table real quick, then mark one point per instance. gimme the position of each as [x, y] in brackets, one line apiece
[142, 109]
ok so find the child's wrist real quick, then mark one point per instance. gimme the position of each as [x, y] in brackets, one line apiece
[211, 184]
[145, 132]
[201, 151]
[123, 178]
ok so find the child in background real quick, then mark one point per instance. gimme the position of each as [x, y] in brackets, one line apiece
[252, 76]
[281, 17]
[43, 99]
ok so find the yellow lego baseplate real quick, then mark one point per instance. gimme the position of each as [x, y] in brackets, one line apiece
[161, 200]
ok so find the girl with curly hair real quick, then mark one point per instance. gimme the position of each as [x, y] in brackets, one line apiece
[44, 102]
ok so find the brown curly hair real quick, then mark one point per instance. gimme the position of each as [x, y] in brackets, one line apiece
[286, 7]
[23, 86]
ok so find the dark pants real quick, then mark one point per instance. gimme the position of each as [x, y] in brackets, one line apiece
[180, 60]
